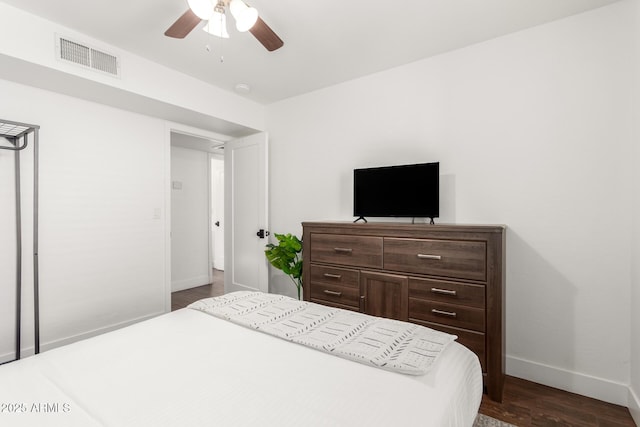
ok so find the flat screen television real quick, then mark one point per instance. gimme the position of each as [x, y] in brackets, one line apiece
[397, 191]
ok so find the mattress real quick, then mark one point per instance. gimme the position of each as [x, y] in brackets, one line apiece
[187, 368]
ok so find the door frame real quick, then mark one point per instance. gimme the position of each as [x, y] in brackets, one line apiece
[171, 127]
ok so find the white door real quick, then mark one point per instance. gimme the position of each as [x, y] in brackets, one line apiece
[246, 214]
[217, 211]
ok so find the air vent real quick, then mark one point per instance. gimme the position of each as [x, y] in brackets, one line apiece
[86, 56]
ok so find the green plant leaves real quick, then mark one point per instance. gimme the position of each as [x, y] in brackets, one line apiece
[286, 256]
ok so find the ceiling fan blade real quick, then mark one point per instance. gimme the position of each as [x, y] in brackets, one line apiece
[266, 35]
[183, 26]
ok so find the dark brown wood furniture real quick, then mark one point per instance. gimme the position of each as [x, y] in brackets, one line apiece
[446, 277]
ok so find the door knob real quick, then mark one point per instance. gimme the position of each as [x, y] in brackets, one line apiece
[262, 233]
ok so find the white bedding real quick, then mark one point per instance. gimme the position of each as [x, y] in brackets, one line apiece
[187, 368]
[384, 343]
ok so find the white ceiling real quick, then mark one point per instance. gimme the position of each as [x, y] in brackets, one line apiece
[325, 42]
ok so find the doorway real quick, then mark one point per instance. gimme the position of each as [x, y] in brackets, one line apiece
[245, 210]
[197, 221]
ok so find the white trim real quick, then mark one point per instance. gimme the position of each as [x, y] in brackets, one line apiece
[167, 219]
[575, 382]
[634, 406]
[29, 351]
[199, 133]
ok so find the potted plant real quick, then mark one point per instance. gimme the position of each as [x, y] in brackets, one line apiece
[287, 256]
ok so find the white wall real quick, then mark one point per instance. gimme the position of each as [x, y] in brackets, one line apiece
[189, 218]
[102, 232]
[105, 245]
[634, 395]
[532, 130]
[143, 85]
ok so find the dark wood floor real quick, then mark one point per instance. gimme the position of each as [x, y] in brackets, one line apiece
[524, 404]
[182, 299]
[529, 404]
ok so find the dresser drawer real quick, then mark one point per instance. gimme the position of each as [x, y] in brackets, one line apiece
[357, 251]
[343, 295]
[448, 314]
[335, 276]
[474, 341]
[448, 258]
[447, 292]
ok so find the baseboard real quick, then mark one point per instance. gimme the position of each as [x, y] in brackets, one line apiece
[7, 357]
[634, 406]
[575, 382]
[194, 282]
[29, 351]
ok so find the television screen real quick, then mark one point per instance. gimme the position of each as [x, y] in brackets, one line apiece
[397, 191]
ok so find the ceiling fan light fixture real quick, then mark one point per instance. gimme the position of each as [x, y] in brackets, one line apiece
[217, 25]
[245, 16]
[202, 8]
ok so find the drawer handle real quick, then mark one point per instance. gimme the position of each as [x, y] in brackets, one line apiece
[332, 293]
[332, 276]
[444, 313]
[343, 250]
[444, 291]
[428, 256]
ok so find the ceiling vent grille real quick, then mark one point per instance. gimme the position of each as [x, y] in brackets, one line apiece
[86, 56]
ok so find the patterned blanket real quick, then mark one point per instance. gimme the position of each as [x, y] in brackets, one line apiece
[385, 343]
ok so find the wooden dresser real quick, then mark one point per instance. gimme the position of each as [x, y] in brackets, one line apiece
[446, 277]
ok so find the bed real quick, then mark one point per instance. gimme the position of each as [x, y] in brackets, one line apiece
[194, 368]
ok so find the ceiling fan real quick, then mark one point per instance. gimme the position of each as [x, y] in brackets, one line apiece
[213, 11]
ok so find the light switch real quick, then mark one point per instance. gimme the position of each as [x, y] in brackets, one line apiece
[176, 185]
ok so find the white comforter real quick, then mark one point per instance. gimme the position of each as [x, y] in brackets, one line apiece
[187, 368]
[384, 343]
